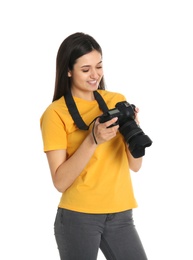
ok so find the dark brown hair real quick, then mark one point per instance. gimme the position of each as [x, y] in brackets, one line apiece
[72, 48]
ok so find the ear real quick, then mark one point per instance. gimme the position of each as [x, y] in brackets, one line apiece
[69, 74]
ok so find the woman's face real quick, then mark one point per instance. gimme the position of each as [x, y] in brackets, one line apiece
[86, 73]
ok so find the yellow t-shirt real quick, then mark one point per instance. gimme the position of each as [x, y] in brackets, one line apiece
[104, 186]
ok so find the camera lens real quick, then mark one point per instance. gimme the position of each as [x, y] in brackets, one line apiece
[135, 138]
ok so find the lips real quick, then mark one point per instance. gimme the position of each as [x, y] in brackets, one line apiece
[92, 82]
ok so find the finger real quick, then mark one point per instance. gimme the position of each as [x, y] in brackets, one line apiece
[97, 121]
[111, 122]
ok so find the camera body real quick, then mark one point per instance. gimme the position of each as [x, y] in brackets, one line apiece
[123, 110]
[135, 138]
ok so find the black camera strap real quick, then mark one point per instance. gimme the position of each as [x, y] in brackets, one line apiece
[73, 110]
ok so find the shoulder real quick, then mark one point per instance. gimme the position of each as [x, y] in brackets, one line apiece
[110, 94]
[111, 98]
[54, 109]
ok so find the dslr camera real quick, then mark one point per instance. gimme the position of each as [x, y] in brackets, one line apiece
[135, 138]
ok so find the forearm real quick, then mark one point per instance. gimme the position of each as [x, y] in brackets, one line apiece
[134, 163]
[69, 170]
[65, 170]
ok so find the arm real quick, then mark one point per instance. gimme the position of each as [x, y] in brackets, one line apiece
[64, 171]
[134, 163]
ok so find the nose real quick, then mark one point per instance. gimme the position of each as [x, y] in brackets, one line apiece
[93, 74]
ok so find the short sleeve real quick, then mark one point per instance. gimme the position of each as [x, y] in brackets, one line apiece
[53, 131]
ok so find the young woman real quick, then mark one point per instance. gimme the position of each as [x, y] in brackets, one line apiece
[89, 161]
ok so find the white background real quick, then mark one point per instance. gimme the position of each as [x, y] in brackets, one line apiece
[148, 56]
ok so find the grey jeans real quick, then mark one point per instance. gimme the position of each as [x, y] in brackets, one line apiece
[80, 235]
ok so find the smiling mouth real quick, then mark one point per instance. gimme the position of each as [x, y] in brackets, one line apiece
[92, 82]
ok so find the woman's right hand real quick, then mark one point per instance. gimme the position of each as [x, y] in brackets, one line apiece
[102, 132]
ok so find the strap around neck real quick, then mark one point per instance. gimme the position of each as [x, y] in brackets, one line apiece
[73, 110]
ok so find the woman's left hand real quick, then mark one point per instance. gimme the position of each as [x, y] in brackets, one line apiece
[136, 115]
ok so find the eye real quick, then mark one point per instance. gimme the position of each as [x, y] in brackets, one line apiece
[85, 70]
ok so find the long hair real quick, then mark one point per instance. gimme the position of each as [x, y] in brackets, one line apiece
[72, 48]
